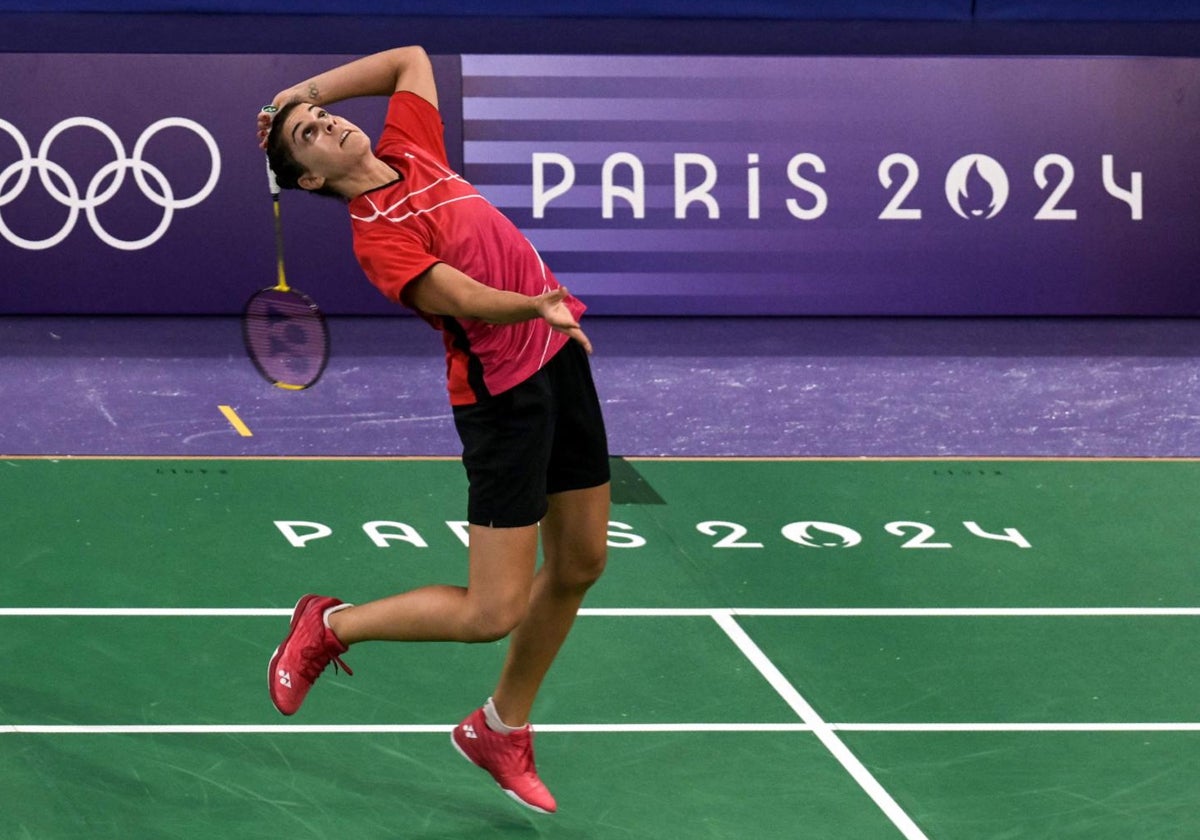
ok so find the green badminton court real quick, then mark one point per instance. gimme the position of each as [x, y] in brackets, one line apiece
[859, 649]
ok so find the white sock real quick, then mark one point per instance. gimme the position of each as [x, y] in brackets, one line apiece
[493, 720]
[325, 615]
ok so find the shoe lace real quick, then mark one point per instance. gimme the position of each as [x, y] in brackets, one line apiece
[316, 658]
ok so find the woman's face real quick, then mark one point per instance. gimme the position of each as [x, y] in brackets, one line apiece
[326, 146]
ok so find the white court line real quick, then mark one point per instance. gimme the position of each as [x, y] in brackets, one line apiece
[138, 612]
[820, 728]
[372, 728]
[1016, 727]
[970, 612]
[666, 612]
[581, 728]
[721, 615]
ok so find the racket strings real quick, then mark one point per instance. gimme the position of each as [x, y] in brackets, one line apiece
[286, 336]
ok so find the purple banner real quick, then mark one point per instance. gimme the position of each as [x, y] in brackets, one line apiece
[848, 186]
[132, 184]
[651, 185]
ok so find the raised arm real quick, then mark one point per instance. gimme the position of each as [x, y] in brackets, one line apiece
[381, 74]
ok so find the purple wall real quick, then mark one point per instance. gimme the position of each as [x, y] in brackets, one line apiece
[791, 224]
[848, 186]
[83, 247]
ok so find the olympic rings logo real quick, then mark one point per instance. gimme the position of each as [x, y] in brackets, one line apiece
[150, 179]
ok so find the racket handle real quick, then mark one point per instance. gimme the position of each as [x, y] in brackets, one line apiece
[271, 109]
[271, 179]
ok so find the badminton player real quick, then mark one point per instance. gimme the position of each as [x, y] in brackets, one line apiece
[522, 396]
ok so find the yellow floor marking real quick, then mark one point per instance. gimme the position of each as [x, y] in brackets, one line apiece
[235, 421]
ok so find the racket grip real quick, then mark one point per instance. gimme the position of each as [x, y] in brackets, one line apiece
[271, 179]
[271, 109]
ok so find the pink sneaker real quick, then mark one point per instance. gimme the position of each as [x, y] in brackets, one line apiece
[508, 758]
[308, 648]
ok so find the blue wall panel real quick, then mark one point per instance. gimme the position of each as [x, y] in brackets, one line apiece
[1088, 10]
[947, 10]
[747, 9]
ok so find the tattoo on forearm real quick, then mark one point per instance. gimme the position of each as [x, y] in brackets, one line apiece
[313, 93]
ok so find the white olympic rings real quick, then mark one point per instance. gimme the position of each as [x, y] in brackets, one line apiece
[93, 198]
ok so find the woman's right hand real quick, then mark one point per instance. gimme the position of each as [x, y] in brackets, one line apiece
[264, 127]
[302, 92]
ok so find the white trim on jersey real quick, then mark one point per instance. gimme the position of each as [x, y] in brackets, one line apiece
[382, 214]
[395, 205]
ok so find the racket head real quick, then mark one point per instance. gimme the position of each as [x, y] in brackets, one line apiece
[286, 337]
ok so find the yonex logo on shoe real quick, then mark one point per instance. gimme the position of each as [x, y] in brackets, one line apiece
[469, 731]
[285, 679]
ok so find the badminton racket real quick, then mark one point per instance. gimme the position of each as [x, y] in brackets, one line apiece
[284, 330]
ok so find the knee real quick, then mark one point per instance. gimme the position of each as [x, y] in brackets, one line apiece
[493, 622]
[581, 571]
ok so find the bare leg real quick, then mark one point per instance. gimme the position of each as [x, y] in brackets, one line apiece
[495, 600]
[574, 547]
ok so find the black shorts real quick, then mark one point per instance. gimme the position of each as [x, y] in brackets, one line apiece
[541, 437]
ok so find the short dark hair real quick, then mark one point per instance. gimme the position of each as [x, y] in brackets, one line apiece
[287, 169]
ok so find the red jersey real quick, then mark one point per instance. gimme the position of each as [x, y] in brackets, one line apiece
[430, 214]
